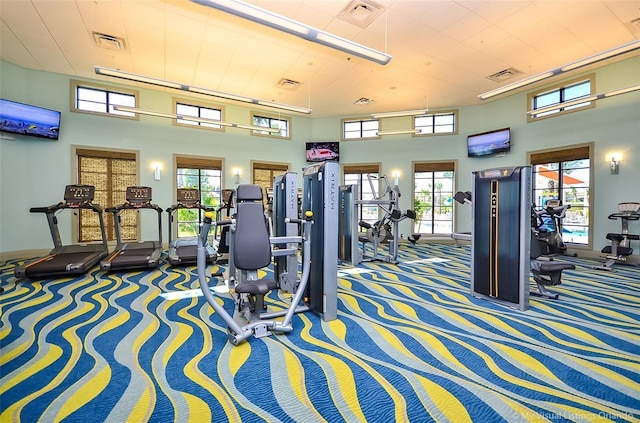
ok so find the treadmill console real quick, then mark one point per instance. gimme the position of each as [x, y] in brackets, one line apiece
[188, 196]
[138, 195]
[78, 194]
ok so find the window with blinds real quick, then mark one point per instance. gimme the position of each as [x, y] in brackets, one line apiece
[110, 172]
[205, 175]
[263, 174]
[433, 197]
[565, 175]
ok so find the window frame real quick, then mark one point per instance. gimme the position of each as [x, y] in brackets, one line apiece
[183, 161]
[270, 116]
[76, 84]
[101, 152]
[433, 167]
[360, 120]
[567, 154]
[561, 87]
[453, 112]
[200, 105]
[362, 169]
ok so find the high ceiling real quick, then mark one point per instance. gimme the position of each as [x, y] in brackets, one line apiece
[443, 51]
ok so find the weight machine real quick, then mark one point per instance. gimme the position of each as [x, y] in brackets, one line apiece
[383, 231]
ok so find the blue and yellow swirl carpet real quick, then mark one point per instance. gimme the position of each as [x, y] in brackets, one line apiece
[410, 344]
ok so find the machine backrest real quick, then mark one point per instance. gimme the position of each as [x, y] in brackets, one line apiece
[251, 244]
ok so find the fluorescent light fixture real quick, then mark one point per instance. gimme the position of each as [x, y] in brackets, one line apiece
[608, 54]
[275, 105]
[229, 124]
[145, 112]
[516, 85]
[602, 56]
[309, 33]
[622, 91]
[583, 100]
[399, 132]
[115, 73]
[399, 114]
[137, 78]
[194, 119]
[559, 106]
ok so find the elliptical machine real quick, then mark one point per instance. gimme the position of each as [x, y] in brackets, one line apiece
[547, 225]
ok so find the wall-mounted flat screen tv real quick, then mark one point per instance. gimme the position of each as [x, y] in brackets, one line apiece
[323, 151]
[24, 119]
[489, 143]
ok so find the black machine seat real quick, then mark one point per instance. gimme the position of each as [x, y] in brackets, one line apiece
[546, 272]
[251, 244]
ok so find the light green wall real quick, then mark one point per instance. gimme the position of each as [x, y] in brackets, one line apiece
[33, 172]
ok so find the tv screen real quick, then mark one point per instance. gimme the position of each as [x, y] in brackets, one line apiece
[19, 118]
[323, 151]
[489, 143]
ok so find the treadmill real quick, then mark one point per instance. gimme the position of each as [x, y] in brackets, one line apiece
[221, 234]
[66, 260]
[184, 250]
[134, 255]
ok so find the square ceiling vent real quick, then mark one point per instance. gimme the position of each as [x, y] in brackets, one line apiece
[504, 75]
[361, 12]
[289, 84]
[109, 41]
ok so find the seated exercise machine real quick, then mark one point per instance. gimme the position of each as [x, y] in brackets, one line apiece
[184, 250]
[67, 259]
[547, 225]
[620, 247]
[251, 249]
[134, 255]
[462, 198]
[502, 251]
[383, 231]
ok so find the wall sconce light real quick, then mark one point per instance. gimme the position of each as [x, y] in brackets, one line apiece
[614, 160]
[157, 167]
[237, 172]
[396, 176]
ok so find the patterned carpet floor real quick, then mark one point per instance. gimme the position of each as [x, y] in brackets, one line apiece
[410, 344]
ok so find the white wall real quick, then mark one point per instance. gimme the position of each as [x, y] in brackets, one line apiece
[34, 172]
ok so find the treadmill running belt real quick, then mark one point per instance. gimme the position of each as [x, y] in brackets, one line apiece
[61, 264]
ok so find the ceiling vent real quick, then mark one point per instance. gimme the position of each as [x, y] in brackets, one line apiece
[504, 75]
[362, 101]
[361, 12]
[289, 84]
[109, 41]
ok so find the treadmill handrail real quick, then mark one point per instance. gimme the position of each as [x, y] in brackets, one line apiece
[134, 206]
[64, 205]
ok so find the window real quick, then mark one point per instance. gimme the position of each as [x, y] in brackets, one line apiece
[569, 91]
[279, 122]
[197, 111]
[89, 98]
[437, 123]
[110, 172]
[564, 175]
[358, 129]
[263, 174]
[433, 197]
[366, 176]
[204, 174]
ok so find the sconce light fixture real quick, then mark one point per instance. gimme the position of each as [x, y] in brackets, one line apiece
[157, 167]
[614, 162]
[396, 176]
[237, 172]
